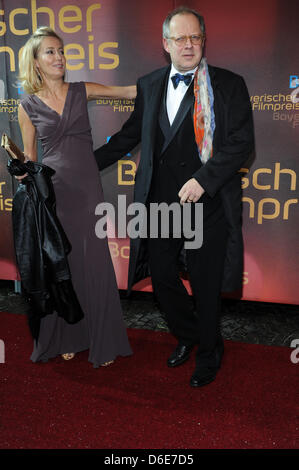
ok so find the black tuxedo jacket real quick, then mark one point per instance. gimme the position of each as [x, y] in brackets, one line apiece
[232, 144]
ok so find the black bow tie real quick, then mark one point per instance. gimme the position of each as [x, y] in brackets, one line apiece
[177, 78]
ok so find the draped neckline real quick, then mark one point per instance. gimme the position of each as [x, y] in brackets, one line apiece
[52, 109]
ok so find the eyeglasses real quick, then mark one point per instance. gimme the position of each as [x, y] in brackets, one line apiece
[195, 40]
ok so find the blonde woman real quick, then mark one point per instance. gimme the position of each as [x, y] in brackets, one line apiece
[55, 112]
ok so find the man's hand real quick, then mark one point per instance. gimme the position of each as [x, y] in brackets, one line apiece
[191, 191]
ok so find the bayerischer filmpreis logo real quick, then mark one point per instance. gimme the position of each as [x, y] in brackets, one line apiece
[283, 105]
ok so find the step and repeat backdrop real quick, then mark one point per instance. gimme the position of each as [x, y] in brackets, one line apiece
[116, 41]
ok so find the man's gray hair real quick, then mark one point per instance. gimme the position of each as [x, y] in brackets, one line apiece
[182, 11]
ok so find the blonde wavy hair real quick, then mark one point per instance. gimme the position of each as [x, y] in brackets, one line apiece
[28, 75]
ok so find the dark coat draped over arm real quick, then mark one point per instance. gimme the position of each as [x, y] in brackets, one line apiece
[41, 247]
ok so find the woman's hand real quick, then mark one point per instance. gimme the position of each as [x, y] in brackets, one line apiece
[131, 91]
[20, 178]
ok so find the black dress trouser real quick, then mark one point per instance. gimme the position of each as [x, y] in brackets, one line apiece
[199, 324]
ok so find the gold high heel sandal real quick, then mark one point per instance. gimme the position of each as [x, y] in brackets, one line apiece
[68, 356]
[105, 364]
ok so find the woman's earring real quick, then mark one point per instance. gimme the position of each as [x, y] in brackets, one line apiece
[38, 75]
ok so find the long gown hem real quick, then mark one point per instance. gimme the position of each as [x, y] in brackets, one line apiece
[96, 363]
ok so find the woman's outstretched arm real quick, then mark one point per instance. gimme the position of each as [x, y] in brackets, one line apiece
[95, 91]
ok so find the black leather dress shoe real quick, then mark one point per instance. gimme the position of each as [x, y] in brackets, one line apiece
[180, 355]
[203, 377]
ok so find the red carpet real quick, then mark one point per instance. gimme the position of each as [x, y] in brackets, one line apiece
[139, 403]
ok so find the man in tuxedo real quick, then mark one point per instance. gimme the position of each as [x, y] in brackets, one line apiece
[194, 122]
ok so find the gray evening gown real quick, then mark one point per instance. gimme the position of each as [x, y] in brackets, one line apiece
[67, 148]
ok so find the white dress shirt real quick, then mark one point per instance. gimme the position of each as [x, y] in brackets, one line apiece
[175, 95]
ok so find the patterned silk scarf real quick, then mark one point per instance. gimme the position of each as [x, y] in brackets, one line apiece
[202, 112]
